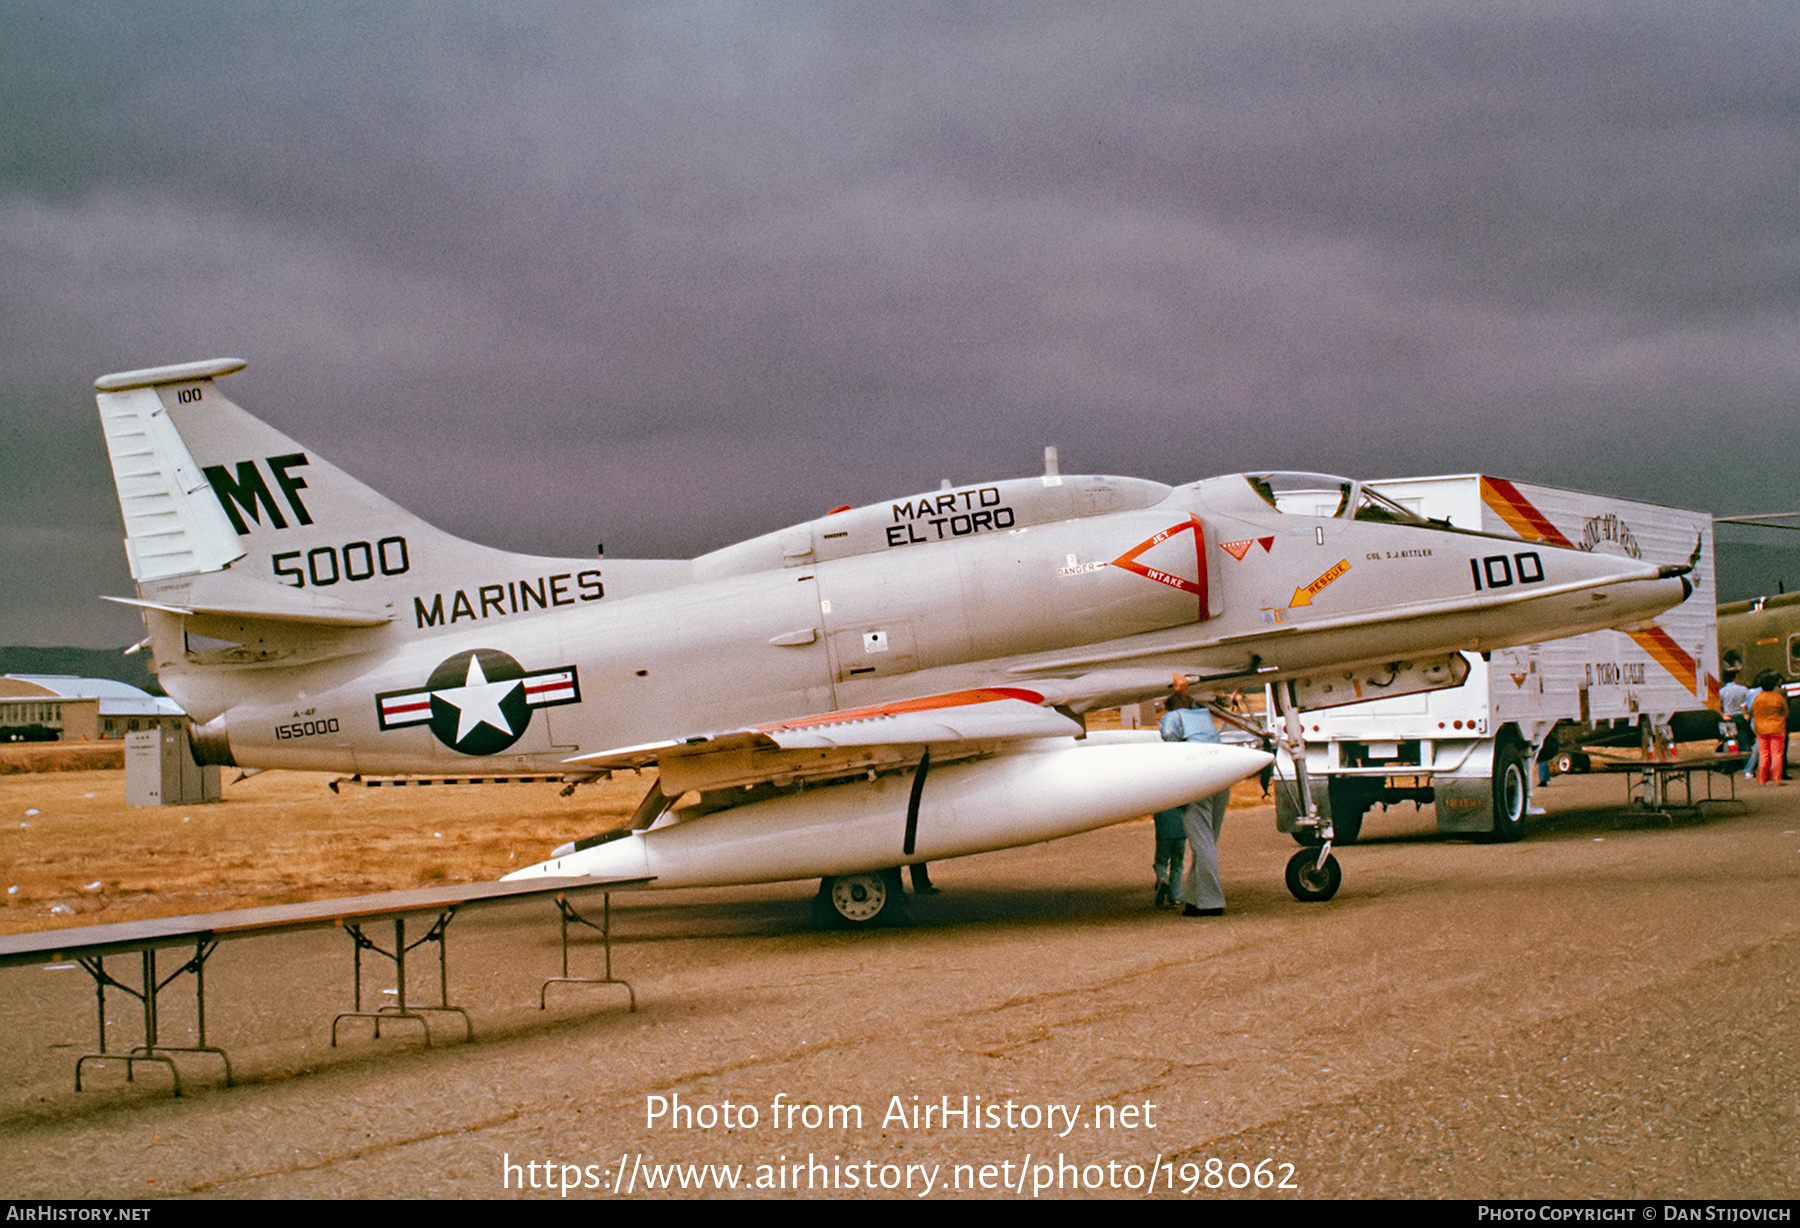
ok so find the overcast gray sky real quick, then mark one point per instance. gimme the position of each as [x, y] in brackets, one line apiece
[667, 275]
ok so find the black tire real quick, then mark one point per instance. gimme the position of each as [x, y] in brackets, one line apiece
[1311, 883]
[1512, 791]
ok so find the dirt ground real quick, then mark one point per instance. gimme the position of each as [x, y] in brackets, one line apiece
[1607, 1009]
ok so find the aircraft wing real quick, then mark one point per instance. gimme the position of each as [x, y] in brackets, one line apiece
[957, 724]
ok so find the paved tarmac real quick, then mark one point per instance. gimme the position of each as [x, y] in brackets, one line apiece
[1606, 1009]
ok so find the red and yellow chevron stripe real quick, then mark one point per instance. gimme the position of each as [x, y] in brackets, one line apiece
[1517, 511]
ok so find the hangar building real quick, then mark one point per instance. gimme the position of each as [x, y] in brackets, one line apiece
[63, 708]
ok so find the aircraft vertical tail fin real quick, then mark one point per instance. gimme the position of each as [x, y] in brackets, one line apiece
[225, 515]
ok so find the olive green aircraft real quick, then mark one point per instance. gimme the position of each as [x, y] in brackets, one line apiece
[1761, 636]
[881, 686]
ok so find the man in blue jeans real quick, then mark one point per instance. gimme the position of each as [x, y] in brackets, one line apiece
[1202, 895]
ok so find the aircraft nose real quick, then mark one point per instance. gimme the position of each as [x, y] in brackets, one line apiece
[1548, 592]
[1635, 590]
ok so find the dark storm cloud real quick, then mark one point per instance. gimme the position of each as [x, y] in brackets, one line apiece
[665, 275]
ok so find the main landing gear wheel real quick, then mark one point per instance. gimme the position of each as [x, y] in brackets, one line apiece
[860, 900]
[1309, 881]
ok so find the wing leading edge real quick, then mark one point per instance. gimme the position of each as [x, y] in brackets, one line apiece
[954, 725]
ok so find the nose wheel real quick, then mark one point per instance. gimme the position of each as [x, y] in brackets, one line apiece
[1313, 875]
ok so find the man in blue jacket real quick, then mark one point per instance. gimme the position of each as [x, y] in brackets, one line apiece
[1202, 895]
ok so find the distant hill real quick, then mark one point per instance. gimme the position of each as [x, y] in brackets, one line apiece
[83, 663]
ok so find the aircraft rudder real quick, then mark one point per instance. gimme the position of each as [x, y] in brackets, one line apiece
[171, 527]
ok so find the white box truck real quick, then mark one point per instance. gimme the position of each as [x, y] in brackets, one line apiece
[1470, 749]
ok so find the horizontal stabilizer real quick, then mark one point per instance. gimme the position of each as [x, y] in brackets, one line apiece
[316, 614]
[177, 373]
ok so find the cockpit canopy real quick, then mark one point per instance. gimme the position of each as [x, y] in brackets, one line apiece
[1321, 494]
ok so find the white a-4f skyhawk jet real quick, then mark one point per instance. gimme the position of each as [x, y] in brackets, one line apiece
[888, 684]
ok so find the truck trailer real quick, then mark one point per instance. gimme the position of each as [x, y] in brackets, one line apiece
[1469, 749]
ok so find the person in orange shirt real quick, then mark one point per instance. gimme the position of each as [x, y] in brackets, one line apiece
[1769, 716]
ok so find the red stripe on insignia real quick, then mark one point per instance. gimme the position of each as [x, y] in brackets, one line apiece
[550, 688]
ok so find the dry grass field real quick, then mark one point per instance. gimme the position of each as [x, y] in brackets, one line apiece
[276, 838]
[28, 757]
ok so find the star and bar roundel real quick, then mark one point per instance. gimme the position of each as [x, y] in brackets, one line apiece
[478, 702]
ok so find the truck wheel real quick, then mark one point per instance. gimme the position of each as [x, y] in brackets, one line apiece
[1349, 802]
[1310, 882]
[1511, 791]
[1571, 761]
